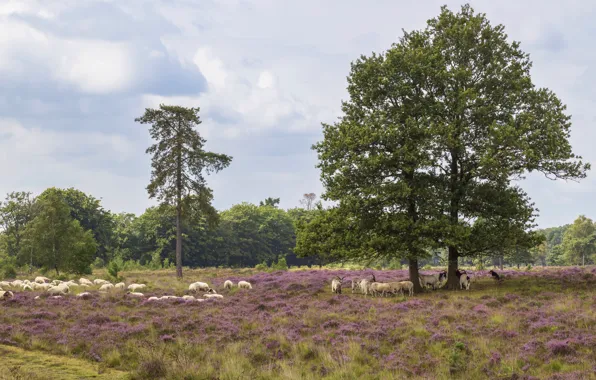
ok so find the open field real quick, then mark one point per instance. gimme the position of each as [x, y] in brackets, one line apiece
[537, 324]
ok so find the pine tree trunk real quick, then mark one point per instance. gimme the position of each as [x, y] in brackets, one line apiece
[178, 242]
[501, 262]
[452, 280]
[414, 277]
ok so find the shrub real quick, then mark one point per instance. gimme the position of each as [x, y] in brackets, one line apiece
[262, 266]
[113, 268]
[281, 264]
[529, 267]
[98, 263]
[8, 271]
[427, 267]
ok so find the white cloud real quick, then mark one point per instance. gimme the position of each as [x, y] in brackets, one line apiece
[266, 80]
[211, 68]
[92, 66]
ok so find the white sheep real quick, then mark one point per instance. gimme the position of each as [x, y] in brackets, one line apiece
[4, 294]
[212, 296]
[152, 299]
[55, 297]
[380, 287]
[84, 281]
[56, 282]
[16, 283]
[106, 287]
[120, 285]
[407, 285]
[135, 294]
[5, 284]
[196, 286]
[41, 280]
[244, 285]
[135, 287]
[99, 281]
[58, 289]
[27, 288]
[169, 297]
[84, 295]
[433, 280]
[44, 286]
[228, 284]
[336, 284]
[464, 282]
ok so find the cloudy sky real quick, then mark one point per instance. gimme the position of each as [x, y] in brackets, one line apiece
[74, 74]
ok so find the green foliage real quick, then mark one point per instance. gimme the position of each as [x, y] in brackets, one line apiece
[58, 241]
[7, 268]
[262, 266]
[113, 268]
[98, 263]
[16, 211]
[179, 163]
[280, 264]
[579, 241]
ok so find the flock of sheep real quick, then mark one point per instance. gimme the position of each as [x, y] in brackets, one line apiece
[57, 288]
[374, 288]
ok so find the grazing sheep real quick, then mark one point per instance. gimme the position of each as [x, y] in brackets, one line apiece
[6, 294]
[495, 275]
[55, 297]
[84, 281]
[409, 286]
[228, 284]
[169, 297]
[99, 281]
[380, 287]
[135, 294]
[27, 288]
[42, 280]
[188, 298]
[365, 286]
[464, 282]
[152, 299]
[244, 285]
[135, 287]
[58, 289]
[56, 282]
[4, 284]
[432, 279]
[16, 283]
[196, 286]
[212, 296]
[44, 286]
[84, 295]
[106, 287]
[335, 284]
[120, 285]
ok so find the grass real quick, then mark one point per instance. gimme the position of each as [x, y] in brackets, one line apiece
[536, 324]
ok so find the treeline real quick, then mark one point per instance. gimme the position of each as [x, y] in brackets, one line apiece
[67, 230]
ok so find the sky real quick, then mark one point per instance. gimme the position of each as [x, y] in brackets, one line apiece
[266, 73]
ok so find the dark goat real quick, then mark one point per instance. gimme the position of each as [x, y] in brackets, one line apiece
[495, 275]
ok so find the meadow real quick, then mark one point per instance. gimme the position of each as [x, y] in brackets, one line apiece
[536, 324]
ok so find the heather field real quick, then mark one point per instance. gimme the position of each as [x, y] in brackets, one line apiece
[535, 324]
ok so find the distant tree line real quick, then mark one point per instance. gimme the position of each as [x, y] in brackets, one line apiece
[66, 230]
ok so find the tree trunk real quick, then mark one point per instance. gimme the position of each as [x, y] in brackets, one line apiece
[414, 277]
[178, 242]
[452, 280]
[31, 261]
[55, 259]
[583, 259]
[501, 262]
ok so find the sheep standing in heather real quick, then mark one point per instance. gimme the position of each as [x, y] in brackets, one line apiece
[120, 286]
[244, 285]
[464, 282]
[336, 284]
[212, 296]
[432, 279]
[84, 281]
[135, 294]
[409, 286]
[99, 281]
[204, 287]
[58, 289]
[84, 295]
[356, 284]
[42, 280]
[382, 288]
[228, 284]
[5, 294]
[135, 287]
[106, 287]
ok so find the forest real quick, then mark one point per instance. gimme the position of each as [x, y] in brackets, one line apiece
[86, 235]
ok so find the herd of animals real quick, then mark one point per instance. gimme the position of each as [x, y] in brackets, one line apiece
[58, 289]
[371, 286]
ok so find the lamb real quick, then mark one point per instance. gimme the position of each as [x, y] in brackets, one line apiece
[212, 296]
[196, 286]
[106, 287]
[228, 284]
[380, 287]
[464, 282]
[41, 280]
[84, 281]
[432, 279]
[244, 285]
[120, 285]
[5, 294]
[336, 284]
[135, 294]
[135, 287]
